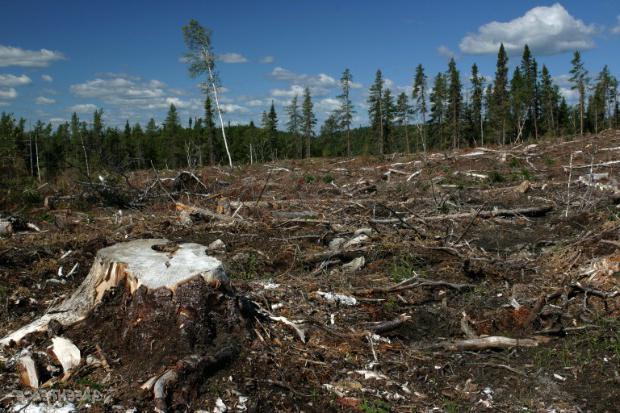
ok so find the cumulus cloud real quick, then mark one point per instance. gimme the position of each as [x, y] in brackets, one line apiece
[12, 80]
[327, 105]
[445, 52]
[83, 108]
[8, 94]
[319, 85]
[563, 81]
[288, 93]
[47, 78]
[124, 92]
[232, 108]
[42, 100]
[15, 56]
[547, 30]
[267, 59]
[232, 58]
[616, 28]
[320, 80]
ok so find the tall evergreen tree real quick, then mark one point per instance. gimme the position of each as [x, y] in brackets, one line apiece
[529, 72]
[549, 101]
[579, 80]
[476, 106]
[294, 126]
[455, 103]
[387, 108]
[500, 105]
[375, 111]
[403, 114]
[271, 126]
[438, 108]
[308, 121]
[419, 102]
[345, 111]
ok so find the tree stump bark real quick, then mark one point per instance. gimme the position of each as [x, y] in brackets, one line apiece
[165, 311]
[150, 264]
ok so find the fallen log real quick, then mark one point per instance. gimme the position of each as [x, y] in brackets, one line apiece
[486, 343]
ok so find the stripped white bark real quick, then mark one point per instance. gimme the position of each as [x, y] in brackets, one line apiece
[136, 263]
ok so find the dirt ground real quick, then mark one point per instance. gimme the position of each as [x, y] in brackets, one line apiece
[465, 244]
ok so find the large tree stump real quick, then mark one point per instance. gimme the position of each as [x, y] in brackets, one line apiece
[165, 311]
[153, 264]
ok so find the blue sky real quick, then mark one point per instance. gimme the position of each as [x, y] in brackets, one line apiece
[63, 56]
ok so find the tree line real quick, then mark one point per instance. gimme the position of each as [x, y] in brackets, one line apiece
[439, 113]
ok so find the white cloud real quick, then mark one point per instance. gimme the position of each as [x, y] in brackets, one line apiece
[388, 83]
[327, 105]
[288, 93]
[83, 108]
[547, 30]
[4, 103]
[12, 80]
[8, 94]
[121, 90]
[267, 59]
[354, 85]
[253, 103]
[320, 80]
[47, 78]
[616, 28]
[319, 85]
[57, 121]
[15, 56]
[232, 58]
[232, 108]
[445, 52]
[42, 100]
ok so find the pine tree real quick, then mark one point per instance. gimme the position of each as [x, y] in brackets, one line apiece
[345, 112]
[387, 108]
[579, 79]
[271, 127]
[455, 103]
[477, 91]
[419, 102]
[500, 104]
[375, 111]
[308, 121]
[529, 72]
[403, 113]
[294, 126]
[519, 101]
[438, 108]
[549, 101]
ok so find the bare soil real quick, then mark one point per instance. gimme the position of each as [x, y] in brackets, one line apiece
[549, 276]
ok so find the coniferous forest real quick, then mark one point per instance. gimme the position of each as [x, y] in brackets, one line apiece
[451, 109]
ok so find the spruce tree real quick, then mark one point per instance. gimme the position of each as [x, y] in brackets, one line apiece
[375, 111]
[271, 126]
[308, 121]
[455, 103]
[477, 91]
[549, 101]
[403, 113]
[387, 108]
[500, 104]
[294, 127]
[419, 102]
[579, 80]
[345, 111]
[438, 108]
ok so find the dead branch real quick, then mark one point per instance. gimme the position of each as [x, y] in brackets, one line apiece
[486, 343]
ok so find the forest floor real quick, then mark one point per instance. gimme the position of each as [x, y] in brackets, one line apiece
[430, 255]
